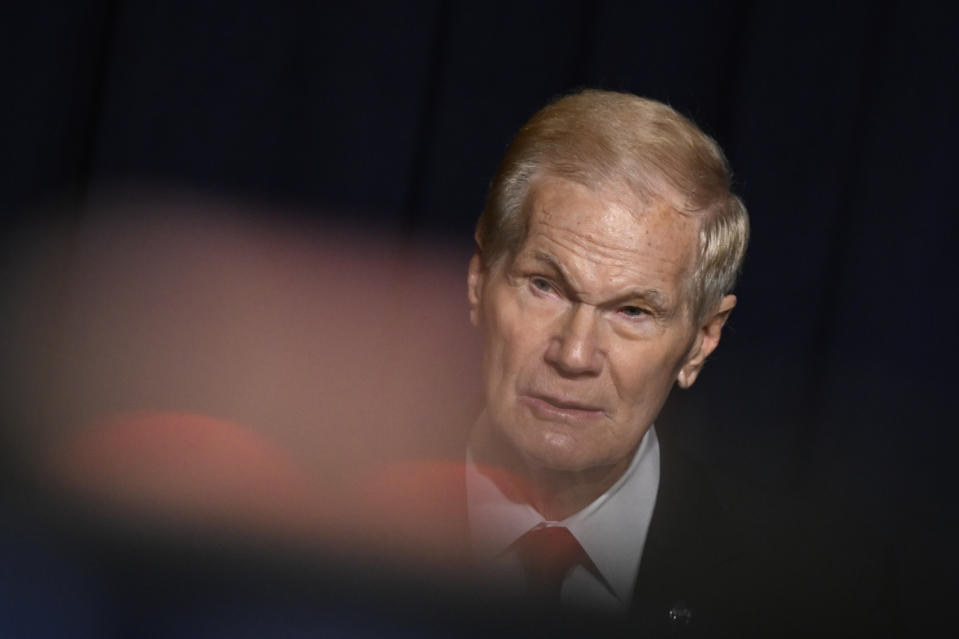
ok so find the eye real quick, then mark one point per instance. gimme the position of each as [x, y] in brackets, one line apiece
[541, 284]
[633, 311]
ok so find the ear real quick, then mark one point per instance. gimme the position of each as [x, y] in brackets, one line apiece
[706, 341]
[474, 287]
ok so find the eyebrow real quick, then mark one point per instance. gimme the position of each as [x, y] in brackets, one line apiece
[651, 296]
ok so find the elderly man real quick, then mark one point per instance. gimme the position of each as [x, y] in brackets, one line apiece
[606, 256]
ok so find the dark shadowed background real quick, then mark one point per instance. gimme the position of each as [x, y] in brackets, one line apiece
[836, 373]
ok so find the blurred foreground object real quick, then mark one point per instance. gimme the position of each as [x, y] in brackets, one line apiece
[180, 364]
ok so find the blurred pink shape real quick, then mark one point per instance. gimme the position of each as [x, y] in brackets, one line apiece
[182, 363]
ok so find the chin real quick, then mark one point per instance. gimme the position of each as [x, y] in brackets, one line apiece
[565, 455]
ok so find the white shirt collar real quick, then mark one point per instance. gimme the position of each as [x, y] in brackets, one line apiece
[612, 529]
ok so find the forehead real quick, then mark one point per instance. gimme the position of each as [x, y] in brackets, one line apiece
[610, 235]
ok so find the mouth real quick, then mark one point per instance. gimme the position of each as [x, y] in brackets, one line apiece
[561, 409]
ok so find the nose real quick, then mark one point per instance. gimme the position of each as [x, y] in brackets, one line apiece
[574, 349]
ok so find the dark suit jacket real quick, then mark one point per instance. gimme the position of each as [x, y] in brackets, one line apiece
[723, 559]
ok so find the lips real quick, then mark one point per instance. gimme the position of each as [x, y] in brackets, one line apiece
[562, 408]
[566, 403]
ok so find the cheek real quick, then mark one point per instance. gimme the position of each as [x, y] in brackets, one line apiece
[498, 352]
[644, 379]
[511, 339]
[505, 361]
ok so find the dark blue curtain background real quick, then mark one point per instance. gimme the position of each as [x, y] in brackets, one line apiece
[836, 375]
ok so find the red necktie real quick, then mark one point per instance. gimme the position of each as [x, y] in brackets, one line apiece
[548, 554]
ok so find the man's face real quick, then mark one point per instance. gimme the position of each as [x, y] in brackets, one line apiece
[586, 327]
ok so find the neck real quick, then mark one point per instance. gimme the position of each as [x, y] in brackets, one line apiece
[555, 493]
